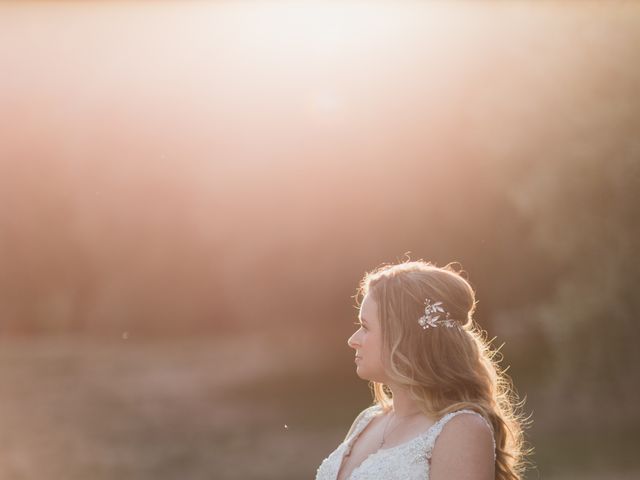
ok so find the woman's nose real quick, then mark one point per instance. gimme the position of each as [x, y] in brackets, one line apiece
[352, 341]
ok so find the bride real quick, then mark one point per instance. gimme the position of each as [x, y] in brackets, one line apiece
[434, 378]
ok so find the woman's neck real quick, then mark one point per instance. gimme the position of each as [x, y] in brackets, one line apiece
[403, 404]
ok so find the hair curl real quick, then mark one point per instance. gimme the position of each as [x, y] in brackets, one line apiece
[445, 369]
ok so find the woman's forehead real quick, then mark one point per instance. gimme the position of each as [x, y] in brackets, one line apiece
[368, 308]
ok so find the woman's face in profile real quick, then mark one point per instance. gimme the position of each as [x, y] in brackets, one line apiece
[367, 342]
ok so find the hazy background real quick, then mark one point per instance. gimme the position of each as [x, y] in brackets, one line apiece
[191, 191]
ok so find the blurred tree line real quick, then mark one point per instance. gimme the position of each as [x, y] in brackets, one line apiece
[551, 248]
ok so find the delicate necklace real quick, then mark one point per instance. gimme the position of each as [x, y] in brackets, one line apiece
[397, 425]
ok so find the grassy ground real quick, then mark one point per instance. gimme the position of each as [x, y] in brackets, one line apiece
[226, 408]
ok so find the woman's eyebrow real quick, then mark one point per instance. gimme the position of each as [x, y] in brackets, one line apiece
[363, 320]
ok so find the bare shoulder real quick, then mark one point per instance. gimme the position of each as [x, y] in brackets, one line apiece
[466, 428]
[464, 450]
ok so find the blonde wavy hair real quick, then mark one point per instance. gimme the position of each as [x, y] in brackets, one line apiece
[444, 369]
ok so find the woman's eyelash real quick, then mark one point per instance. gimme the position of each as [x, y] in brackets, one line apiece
[359, 324]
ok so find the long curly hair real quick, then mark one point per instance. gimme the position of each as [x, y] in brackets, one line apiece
[444, 369]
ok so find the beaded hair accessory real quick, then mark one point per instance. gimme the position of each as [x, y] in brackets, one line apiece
[435, 315]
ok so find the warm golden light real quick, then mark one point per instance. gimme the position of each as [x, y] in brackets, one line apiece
[190, 192]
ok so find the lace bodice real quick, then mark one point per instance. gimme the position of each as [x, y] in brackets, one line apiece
[408, 461]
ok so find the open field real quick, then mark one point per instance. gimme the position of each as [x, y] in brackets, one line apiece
[79, 409]
[75, 409]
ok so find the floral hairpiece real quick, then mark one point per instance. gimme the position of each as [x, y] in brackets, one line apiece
[432, 314]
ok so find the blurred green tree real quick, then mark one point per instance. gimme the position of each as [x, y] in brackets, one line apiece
[586, 209]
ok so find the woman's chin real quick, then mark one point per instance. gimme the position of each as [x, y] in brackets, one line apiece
[364, 375]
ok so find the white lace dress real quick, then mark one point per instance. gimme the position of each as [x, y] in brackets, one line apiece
[408, 461]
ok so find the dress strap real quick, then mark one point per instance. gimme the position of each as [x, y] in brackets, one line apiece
[437, 427]
[361, 421]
